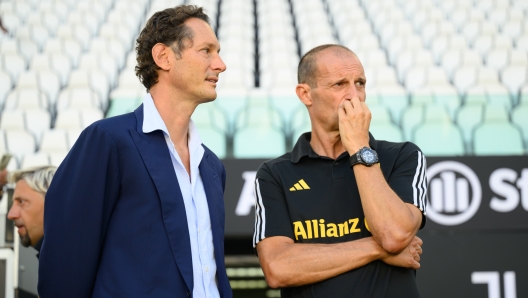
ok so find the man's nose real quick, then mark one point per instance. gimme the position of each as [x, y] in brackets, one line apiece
[352, 91]
[13, 213]
[218, 64]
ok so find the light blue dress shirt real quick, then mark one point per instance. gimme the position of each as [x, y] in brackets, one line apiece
[195, 200]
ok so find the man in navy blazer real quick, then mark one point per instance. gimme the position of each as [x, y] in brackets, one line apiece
[136, 209]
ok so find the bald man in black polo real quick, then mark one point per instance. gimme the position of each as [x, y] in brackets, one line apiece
[338, 216]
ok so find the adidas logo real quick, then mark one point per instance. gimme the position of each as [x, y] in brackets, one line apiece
[301, 185]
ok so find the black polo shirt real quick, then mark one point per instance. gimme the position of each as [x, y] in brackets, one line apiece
[315, 199]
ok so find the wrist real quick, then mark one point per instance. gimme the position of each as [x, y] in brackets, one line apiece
[365, 156]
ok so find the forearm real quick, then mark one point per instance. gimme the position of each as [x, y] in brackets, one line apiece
[294, 264]
[390, 220]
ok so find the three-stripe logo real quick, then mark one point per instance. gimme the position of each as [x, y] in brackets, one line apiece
[300, 185]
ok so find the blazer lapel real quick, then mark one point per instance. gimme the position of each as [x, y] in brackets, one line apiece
[215, 200]
[153, 150]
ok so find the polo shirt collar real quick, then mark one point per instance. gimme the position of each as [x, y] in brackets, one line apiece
[303, 148]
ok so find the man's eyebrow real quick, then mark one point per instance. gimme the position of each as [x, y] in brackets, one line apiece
[210, 45]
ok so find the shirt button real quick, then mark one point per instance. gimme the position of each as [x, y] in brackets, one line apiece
[336, 163]
[206, 269]
[199, 230]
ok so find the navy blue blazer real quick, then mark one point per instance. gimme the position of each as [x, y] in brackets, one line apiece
[115, 222]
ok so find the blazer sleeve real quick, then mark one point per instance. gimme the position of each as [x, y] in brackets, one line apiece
[77, 208]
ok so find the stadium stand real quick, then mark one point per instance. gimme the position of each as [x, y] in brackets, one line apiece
[449, 75]
[65, 64]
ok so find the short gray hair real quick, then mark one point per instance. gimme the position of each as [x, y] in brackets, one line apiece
[308, 68]
[38, 178]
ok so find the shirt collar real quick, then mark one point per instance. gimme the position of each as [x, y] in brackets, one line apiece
[152, 121]
[151, 118]
[303, 148]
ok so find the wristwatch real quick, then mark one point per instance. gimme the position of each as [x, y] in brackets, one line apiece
[364, 156]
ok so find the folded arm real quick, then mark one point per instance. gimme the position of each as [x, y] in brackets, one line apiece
[287, 264]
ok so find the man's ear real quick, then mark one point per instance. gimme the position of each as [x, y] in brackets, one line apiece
[303, 92]
[160, 54]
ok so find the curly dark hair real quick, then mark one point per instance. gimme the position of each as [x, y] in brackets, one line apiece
[167, 27]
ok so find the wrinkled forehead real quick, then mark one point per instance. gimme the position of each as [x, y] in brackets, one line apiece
[337, 60]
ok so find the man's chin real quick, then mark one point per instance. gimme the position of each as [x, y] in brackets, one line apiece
[25, 240]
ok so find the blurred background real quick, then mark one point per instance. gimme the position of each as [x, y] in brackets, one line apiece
[448, 75]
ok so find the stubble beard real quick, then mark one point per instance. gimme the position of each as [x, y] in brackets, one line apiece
[25, 240]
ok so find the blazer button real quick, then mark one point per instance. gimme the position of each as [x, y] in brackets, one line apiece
[188, 293]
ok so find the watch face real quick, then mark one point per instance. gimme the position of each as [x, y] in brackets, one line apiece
[368, 156]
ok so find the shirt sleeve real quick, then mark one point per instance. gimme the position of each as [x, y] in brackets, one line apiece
[77, 210]
[271, 212]
[409, 179]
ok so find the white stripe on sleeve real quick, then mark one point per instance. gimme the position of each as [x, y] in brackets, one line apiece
[260, 216]
[419, 183]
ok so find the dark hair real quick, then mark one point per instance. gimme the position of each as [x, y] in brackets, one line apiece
[167, 27]
[307, 69]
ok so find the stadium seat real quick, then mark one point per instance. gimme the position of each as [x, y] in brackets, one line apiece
[496, 135]
[422, 96]
[37, 122]
[75, 32]
[46, 81]
[464, 78]
[95, 80]
[77, 119]
[5, 86]
[35, 160]
[103, 62]
[468, 117]
[381, 76]
[51, 21]
[10, 21]
[400, 44]
[512, 29]
[519, 117]
[498, 139]
[84, 19]
[396, 99]
[109, 46]
[70, 47]
[412, 117]
[119, 32]
[373, 57]
[485, 43]
[231, 102]
[26, 99]
[382, 127]
[439, 139]
[286, 103]
[513, 77]
[452, 60]
[125, 100]
[12, 120]
[258, 142]
[443, 43]
[389, 31]
[19, 143]
[207, 116]
[447, 96]
[78, 98]
[13, 64]
[54, 141]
